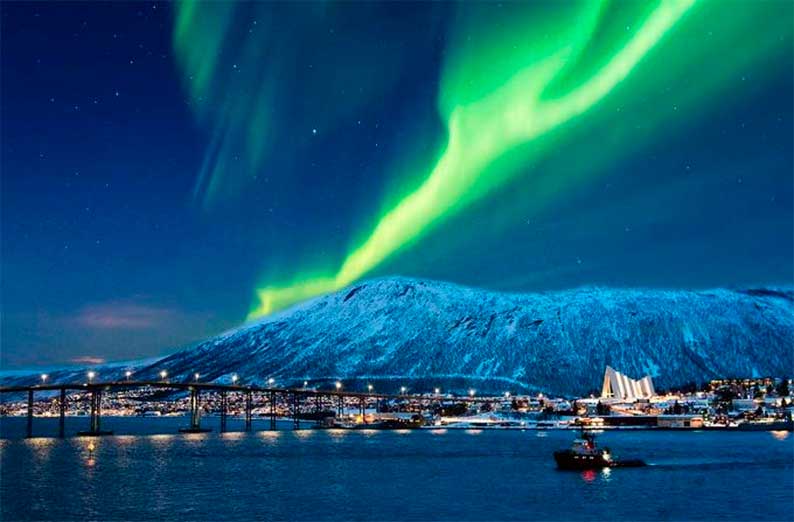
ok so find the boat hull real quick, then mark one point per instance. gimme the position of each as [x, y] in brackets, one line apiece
[570, 460]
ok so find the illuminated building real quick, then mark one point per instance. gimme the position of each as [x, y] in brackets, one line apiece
[619, 386]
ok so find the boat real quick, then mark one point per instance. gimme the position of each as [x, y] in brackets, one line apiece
[585, 454]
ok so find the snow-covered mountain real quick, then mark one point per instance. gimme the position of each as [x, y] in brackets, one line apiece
[422, 334]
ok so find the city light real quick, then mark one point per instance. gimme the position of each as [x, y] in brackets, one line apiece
[128, 374]
[369, 387]
[196, 376]
[437, 391]
[507, 395]
[271, 381]
[91, 375]
[163, 374]
[403, 389]
[44, 377]
[471, 392]
[234, 378]
[305, 384]
[338, 385]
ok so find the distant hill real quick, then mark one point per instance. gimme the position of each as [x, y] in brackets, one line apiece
[421, 334]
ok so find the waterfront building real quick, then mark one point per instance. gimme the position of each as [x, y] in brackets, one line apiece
[619, 386]
[679, 421]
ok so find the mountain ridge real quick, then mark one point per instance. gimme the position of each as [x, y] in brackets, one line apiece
[400, 331]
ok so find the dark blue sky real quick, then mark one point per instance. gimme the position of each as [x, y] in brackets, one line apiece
[107, 254]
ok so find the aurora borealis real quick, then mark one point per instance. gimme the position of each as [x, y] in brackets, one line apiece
[548, 66]
[483, 127]
[209, 162]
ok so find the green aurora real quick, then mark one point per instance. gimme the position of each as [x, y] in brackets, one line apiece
[514, 87]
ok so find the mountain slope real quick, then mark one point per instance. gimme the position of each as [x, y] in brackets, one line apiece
[424, 334]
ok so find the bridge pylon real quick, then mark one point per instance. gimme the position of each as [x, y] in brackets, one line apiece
[223, 411]
[248, 407]
[95, 426]
[195, 414]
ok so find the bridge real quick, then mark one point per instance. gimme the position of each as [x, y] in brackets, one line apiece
[294, 397]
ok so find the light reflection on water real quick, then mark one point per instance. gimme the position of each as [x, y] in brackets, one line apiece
[344, 474]
[88, 450]
[162, 437]
[270, 434]
[336, 434]
[195, 437]
[304, 434]
[125, 439]
[41, 447]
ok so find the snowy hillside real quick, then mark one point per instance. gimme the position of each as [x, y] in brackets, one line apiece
[422, 334]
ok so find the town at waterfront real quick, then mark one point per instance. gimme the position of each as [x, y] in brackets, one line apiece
[751, 403]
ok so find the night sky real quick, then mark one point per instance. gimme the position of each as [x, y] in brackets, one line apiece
[169, 171]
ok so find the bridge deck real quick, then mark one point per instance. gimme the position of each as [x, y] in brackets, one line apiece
[202, 386]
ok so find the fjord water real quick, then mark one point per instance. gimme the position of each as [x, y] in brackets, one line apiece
[148, 472]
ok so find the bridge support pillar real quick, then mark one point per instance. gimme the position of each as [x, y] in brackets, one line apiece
[94, 428]
[272, 410]
[223, 412]
[62, 414]
[195, 419]
[30, 414]
[248, 407]
[96, 412]
[195, 414]
[296, 421]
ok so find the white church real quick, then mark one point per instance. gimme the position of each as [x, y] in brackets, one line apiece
[619, 386]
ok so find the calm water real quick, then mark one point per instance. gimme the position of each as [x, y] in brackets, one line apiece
[418, 475]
